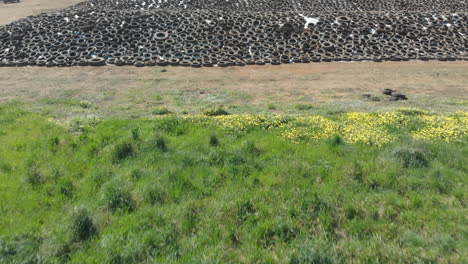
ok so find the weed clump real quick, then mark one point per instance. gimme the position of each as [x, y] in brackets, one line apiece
[191, 219]
[85, 104]
[122, 151]
[4, 167]
[214, 141]
[136, 133]
[34, 176]
[412, 158]
[304, 107]
[336, 141]
[82, 225]
[216, 112]
[153, 194]
[252, 149]
[116, 197]
[160, 143]
[66, 187]
[246, 210]
[136, 174]
[54, 141]
[269, 234]
[161, 111]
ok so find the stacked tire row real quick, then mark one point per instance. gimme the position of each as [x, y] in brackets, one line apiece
[284, 5]
[93, 34]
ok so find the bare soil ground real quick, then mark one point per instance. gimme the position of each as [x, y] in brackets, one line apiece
[131, 91]
[14, 11]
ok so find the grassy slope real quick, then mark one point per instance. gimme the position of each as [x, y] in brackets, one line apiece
[113, 193]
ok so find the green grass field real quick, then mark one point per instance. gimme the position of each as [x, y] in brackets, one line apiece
[385, 187]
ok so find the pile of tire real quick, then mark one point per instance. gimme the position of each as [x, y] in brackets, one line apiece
[206, 33]
[284, 5]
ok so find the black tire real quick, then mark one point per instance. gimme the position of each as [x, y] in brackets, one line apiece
[97, 61]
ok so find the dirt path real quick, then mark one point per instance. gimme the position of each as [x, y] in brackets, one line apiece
[14, 11]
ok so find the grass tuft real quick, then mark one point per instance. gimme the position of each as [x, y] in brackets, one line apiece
[272, 233]
[136, 133]
[136, 174]
[154, 194]
[116, 197]
[34, 176]
[82, 225]
[160, 143]
[335, 141]
[412, 158]
[214, 141]
[122, 151]
[245, 210]
[216, 112]
[304, 107]
[161, 111]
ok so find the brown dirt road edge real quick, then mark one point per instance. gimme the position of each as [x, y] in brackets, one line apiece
[14, 11]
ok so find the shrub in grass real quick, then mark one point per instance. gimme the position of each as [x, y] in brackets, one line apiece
[116, 197]
[271, 233]
[252, 149]
[161, 111]
[136, 133]
[350, 211]
[314, 206]
[136, 174]
[412, 158]
[190, 219]
[160, 143]
[216, 112]
[304, 107]
[122, 151]
[214, 141]
[237, 158]
[82, 226]
[234, 237]
[245, 210]
[355, 171]
[272, 107]
[335, 141]
[98, 176]
[65, 186]
[54, 141]
[5, 167]
[154, 194]
[85, 104]
[34, 176]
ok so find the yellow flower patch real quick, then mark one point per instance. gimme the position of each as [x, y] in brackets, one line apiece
[355, 127]
[309, 128]
[440, 127]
